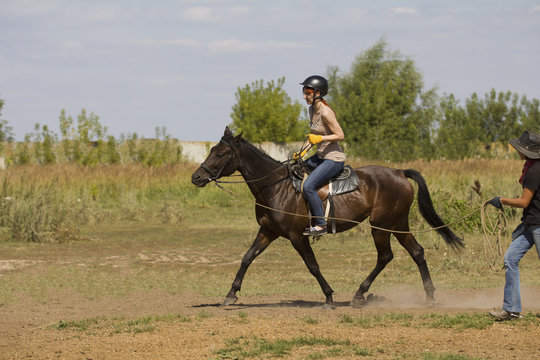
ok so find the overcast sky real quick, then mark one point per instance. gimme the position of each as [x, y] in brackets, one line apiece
[178, 63]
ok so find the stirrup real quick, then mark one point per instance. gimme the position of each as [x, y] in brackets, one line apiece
[312, 231]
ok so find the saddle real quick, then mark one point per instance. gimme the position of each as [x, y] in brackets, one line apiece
[347, 181]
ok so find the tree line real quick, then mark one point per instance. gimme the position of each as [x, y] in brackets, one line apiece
[85, 141]
[381, 103]
[387, 114]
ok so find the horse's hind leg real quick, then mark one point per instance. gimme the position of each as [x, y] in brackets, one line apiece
[384, 256]
[260, 243]
[417, 253]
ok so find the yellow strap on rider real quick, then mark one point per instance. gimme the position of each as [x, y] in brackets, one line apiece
[314, 139]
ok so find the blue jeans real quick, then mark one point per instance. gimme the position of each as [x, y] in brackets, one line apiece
[323, 171]
[524, 238]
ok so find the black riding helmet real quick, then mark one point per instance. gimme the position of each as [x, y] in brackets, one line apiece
[318, 83]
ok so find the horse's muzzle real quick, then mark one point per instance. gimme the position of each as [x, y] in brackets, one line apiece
[199, 180]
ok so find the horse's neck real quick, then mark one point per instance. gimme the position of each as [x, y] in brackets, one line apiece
[259, 170]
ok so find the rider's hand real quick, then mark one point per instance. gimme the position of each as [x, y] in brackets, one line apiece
[314, 139]
[299, 154]
[496, 201]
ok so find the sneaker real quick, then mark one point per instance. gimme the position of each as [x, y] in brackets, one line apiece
[313, 231]
[501, 315]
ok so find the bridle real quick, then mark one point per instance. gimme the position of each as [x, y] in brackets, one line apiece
[214, 176]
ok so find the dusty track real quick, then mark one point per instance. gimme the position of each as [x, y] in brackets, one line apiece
[205, 327]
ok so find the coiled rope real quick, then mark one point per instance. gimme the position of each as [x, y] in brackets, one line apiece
[493, 250]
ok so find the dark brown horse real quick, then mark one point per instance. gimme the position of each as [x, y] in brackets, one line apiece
[384, 195]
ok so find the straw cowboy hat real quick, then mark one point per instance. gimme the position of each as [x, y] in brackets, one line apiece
[528, 144]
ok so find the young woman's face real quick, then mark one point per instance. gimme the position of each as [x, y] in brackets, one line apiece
[308, 95]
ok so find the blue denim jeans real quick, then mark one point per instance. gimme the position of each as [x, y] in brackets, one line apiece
[323, 171]
[524, 238]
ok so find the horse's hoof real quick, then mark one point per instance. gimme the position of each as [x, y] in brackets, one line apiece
[358, 302]
[329, 306]
[229, 301]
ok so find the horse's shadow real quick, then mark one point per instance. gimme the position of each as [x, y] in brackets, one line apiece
[301, 304]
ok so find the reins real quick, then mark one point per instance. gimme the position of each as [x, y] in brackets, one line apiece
[350, 220]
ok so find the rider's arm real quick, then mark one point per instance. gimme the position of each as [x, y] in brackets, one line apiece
[329, 118]
[520, 202]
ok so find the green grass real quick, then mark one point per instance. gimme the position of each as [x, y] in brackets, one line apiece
[254, 347]
[119, 325]
[459, 322]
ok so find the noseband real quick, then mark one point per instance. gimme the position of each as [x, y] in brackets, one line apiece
[214, 176]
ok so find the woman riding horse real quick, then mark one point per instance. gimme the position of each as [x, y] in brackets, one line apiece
[384, 195]
[329, 160]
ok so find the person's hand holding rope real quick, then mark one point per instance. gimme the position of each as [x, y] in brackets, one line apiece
[496, 201]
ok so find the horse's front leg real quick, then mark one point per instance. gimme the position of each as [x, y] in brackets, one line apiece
[261, 242]
[306, 252]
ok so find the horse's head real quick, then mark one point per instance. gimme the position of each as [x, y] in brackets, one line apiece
[222, 160]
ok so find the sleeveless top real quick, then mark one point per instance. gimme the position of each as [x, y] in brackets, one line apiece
[327, 150]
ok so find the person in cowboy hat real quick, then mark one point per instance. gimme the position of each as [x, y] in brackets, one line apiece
[527, 234]
[329, 160]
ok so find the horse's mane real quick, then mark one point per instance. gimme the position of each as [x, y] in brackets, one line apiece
[257, 150]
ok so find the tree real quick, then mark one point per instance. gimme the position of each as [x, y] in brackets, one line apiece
[381, 106]
[266, 113]
[501, 116]
[5, 130]
[530, 115]
[473, 130]
[460, 133]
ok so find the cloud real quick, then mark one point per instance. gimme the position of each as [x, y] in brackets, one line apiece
[232, 45]
[211, 14]
[236, 45]
[199, 14]
[162, 82]
[29, 7]
[101, 13]
[72, 45]
[181, 42]
[401, 10]
[535, 9]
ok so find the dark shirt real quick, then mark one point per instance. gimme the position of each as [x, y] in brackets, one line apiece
[531, 181]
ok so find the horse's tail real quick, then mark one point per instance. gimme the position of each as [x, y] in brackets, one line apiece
[428, 211]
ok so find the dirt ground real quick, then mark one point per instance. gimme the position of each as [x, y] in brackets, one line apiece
[204, 327]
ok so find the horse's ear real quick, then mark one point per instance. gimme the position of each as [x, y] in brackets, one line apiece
[238, 137]
[227, 132]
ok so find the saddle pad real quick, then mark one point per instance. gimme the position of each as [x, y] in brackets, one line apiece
[345, 182]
